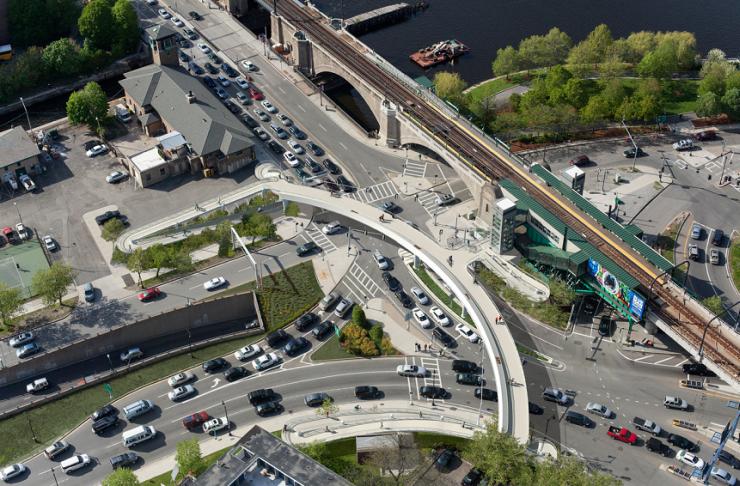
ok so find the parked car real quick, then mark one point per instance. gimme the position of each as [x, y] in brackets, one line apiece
[682, 442]
[689, 459]
[714, 256]
[444, 338]
[723, 476]
[404, 299]
[291, 159]
[12, 471]
[605, 326]
[421, 318]
[265, 361]
[467, 333]
[195, 15]
[675, 403]
[214, 425]
[655, 445]
[696, 231]
[323, 330]
[463, 366]
[366, 392]
[580, 160]
[249, 66]
[115, 176]
[37, 385]
[414, 371]
[101, 219]
[195, 420]
[444, 200]
[21, 339]
[104, 423]
[555, 395]
[235, 373]
[316, 399]
[27, 350]
[295, 346]
[97, 150]
[332, 227]
[391, 282]
[269, 106]
[49, 243]
[472, 478]
[269, 408]
[261, 395]
[598, 409]
[89, 292]
[104, 411]
[439, 316]
[55, 449]
[333, 168]
[487, 393]
[381, 261]
[469, 379]
[305, 321]
[432, 391]
[420, 295]
[315, 149]
[684, 144]
[214, 365]
[248, 352]
[632, 153]
[445, 459]
[131, 354]
[578, 419]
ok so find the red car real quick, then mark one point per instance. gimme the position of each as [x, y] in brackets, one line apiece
[196, 420]
[580, 160]
[149, 294]
[621, 434]
[255, 94]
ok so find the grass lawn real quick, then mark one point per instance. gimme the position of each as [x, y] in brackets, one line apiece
[428, 440]
[735, 261]
[39, 317]
[166, 478]
[443, 296]
[285, 296]
[331, 350]
[489, 88]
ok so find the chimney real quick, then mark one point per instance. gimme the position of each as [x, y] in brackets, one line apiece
[191, 97]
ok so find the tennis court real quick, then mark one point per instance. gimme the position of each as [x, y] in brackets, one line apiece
[19, 263]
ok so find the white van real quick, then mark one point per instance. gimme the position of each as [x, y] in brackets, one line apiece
[75, 462]
[122, 113]
[137, 408]
[138, 434]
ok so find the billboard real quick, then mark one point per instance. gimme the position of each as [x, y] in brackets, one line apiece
[628, 297]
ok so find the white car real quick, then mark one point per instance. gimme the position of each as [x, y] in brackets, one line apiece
[223, 81]
[439, 316]
[181, 392]
[248, 352]
[164, 13]
[22, 231]
[291, 159]
[285, 120]
[12, 471]
[467, 333]
[21, 339]
[97, 150]
[296, 147]
[598, 409]
[37, 385]
[204, 48]
[420, 295]
[421, 318]
[214, 425]
[131, 354]
[724, 476]
[180, 378]
[265, 361]
[261, 133]
[331, 228]
[411, 370]
[269, 106]
[49, 243]
[689, 459]
[249, 66]
[242, 83]
[151, 2]
[214, 283]
[114, 177]
[382, 261]
[177, 22]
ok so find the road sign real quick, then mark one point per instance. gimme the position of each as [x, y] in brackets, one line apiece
[108, 389]
[336, 330]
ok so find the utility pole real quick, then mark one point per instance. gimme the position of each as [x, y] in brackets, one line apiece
[226, 413]
[28, 118]
[634, 144]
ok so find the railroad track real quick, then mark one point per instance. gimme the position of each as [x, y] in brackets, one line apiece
[487, 163]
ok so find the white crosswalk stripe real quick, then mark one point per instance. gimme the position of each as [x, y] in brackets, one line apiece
[364, 280]
[314, 232]
[370, 194]
[434, 378]
[414, 169]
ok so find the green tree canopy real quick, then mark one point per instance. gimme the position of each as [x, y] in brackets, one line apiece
[660, 63]
[138, 261]
[501, 458]
[714, 78]
[714, 304]
[544, 50]
[708, 104]
[126, 27]
[731, 102]
[52, 283]
[11, 302]
[96, 24]
[112, 229]
[88, 106]
[507, 61]
[450, 86]
[121, 477]
[62, 57]
[640, 43]
[188, 457]
[683, 45]
[38, 22]
[592, 50]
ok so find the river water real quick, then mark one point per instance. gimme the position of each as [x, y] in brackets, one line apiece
[487, 25]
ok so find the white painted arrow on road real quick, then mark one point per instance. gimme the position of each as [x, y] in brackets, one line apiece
[215, 383]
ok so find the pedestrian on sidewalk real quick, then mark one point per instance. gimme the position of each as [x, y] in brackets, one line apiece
[425, 348]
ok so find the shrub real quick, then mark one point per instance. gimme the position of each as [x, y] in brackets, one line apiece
[376, 334]
[358, 317]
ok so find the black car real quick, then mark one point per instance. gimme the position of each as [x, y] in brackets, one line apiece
[268, 408]
[332, 167]
[213, 365]
[104, 423]
[295, 346]
[441, 336]
[473, 477]
[297, 132]
[249, 121]
[463, 366]
[214, 58]
[330, 184]
[230, 71]
[210, 82]
[195, 68]
[605, 326]
[392, 282]
[183, 56]
[107, 216]
[262, 395]
[469, 379]
[682, 442]
[305, 321]
[313, 166]
[315, 149]
[699, 369]
[345, 184]
[404, 299]
[729, 459]
[184, 43]
[487, 393]
[316, 399]
[232, 107]
[195, 15]
[307, 248]
[366, 392]
[630, 153]
[235, 373]
[390, 207]
[127, 459]
[211, 69]
[654, 445]
[432, 391]
[445, 459]
[190, 34]
[322, 330]
[104, 412]
[275, 338]
[276, 147]
[535, 409]
[578, 419]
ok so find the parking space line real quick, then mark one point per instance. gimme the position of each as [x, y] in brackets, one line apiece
[644, 357]
[663, 360]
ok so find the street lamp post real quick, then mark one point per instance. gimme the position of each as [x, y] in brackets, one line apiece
[190, 341]
[28, 118]
[110, 362]
[706, 328]
[226, 413]
[53, 474]
[30, 427]
[20, 219]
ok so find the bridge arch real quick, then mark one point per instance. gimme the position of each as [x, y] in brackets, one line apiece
[356, 105]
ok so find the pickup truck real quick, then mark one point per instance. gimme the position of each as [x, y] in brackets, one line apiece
[647, 425]
[37, 385]
[621, 434]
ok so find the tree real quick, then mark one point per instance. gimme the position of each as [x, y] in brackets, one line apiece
[567, 470]
[714, 78]
[112, 229]
[11, 302]
[450, 86]
[358, 317]
[731, 102]
[660, 63]
[507, 61]
[592, 50]
[188, 457]
[51, 283]
[485, 109]
[683, 45]
[38, 22]
[597, 109]
[396, 458]
[501, 458]
[138, 261]
[708, 104]
[121, 477]
[574, 92]
[126, 25]
[96, 24]
[88, 106]
[714, 304]
[612, 67]
[640, 43]
[62, 57]
[327, 407]
[158, 257]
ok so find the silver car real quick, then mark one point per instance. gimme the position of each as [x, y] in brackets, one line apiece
[598, 409]
[21, 339]
[181, 392]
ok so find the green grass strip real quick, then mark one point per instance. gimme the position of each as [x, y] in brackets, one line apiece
[443, 296]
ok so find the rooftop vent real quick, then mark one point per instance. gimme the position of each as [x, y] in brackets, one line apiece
[191, 97]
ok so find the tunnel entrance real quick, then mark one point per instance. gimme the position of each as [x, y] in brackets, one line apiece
[348, 99]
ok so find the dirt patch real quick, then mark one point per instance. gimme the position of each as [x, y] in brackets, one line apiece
[40, 317]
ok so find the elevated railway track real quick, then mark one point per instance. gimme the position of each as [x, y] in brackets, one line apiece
[488, 162]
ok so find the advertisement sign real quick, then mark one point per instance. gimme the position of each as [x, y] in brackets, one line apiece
[629, 298]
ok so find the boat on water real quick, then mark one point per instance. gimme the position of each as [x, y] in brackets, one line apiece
[439, 53]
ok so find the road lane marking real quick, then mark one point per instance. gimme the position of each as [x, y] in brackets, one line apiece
[322, 127]
[343, 146]
[302, 108]
[644, 357]
[681, 363]
[663, 360]
[281, 89]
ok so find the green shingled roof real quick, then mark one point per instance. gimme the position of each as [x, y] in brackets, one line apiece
[617, 229]
[525, 202]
